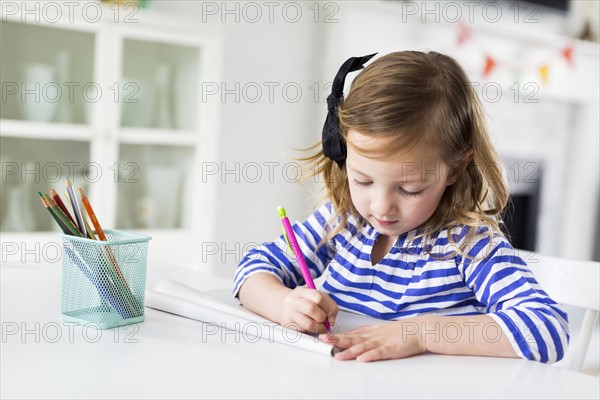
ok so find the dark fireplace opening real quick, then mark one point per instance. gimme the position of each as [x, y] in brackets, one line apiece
[520, 216]
[520, 221]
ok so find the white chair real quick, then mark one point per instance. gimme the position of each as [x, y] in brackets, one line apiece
[571, 283]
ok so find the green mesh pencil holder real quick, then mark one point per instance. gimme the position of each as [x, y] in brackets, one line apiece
[103, 282]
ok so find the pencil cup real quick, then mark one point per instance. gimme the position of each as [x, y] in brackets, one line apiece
[103, 282]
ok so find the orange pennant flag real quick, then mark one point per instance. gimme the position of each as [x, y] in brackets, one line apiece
[489, 65]
[567, 54]
[543, 70]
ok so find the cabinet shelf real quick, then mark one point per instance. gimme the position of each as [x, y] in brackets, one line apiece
[157, 136]
[47, 131]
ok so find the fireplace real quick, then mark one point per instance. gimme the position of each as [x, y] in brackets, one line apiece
[521, 216]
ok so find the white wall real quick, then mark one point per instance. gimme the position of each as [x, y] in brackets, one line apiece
[256, 166]
[304, 52]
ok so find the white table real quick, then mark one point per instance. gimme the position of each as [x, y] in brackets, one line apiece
[174, 357]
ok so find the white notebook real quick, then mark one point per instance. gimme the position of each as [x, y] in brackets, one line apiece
[220, 309]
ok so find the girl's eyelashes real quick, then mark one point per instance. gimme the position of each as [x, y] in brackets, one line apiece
[410, 194]
[402, 191]
[362, 183]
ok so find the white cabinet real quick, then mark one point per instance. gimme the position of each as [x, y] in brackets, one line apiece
[114, 102]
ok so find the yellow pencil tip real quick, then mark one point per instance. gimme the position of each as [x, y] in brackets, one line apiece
[281, 211]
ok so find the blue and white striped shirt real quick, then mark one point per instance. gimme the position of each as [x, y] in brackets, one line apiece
[412, 279]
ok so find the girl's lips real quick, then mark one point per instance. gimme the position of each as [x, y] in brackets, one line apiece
[385, 223]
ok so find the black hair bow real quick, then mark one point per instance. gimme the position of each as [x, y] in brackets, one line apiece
[333, 145]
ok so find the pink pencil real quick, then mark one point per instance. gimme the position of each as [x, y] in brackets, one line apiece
[289, 232]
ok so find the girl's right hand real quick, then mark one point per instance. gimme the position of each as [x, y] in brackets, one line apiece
[307, 310]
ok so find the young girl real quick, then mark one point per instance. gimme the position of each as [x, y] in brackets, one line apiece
[410, 231]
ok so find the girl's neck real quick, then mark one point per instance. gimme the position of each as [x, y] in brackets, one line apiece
[382, 247]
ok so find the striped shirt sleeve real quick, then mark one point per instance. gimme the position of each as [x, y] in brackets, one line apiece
[535, 324]
[277, 259]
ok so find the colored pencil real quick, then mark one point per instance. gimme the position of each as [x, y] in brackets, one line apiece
[72, 229]
[88, 228]
[291, 239]
[62, 206]
[76, 209]
[104, 286]
[58, 221]
[89, 231]
[90, 212]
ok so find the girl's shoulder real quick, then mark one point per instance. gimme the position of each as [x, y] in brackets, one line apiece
[470, 239]
[327, 214]
[461, 232]
[323, 212]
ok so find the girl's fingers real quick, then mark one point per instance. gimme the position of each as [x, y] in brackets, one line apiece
[359, 333]
[355, 347]
[354, 351]
[340, 340]
[308, 323]
[312, 295]
[318, 306]
[311, 310]
[331, 309]
[375, 354]
[303, 322]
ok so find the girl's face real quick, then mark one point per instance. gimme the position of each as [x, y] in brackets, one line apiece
[398, 193]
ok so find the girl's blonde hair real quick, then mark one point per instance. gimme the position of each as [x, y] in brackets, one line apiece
[414, 98]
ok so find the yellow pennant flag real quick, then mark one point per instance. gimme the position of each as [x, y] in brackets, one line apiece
[543, 71]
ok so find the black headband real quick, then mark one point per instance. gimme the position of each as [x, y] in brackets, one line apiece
[334, 147]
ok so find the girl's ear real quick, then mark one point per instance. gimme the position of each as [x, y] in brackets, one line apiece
[464, 161]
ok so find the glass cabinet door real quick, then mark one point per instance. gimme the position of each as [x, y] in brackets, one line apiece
[47, 73]
[159, 82]
[153, 186]
[30, 166]
[157, 133]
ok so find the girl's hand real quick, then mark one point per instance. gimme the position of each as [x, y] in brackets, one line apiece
[378, 342]
[307, 309]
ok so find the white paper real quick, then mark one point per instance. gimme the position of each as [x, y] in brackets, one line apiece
[179, 299]
[188, 293]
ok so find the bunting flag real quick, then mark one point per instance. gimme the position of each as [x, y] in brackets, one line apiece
[567, 54]
[464, 33]
[543, 71]
[491, 63]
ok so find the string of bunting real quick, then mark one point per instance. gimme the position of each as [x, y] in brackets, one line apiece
[491, 63]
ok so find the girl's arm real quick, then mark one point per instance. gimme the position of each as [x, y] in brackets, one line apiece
[268, 280]
[477, 335]
[263, 294]
[520, 318]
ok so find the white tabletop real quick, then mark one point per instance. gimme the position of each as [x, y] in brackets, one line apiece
[172, 357]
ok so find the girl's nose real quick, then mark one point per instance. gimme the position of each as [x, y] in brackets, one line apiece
[383, 205]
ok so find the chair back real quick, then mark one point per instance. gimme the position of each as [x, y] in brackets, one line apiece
[574, 283]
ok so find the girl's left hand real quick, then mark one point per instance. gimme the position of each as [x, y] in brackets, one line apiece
[397, 339]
